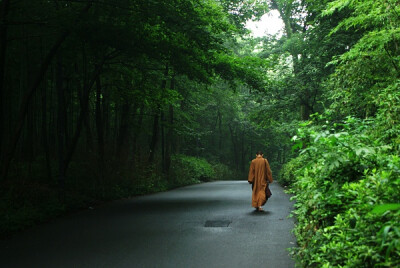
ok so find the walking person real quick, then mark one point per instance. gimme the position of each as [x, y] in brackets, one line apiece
[260, 176]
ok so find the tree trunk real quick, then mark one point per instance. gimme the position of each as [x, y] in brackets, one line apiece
[28, 95]
[28, 141]
[285, 12]
[61, 126]
[89, 142]
[235, 147]
[137, 132]
[242, 151]
[4, 8]
[154, 138]
[99, 124]
[220, 134]
[88, 132]
[123, 129]
[304, 111]
[170, 134]
[106, 117]
[25, 104]
[82, 114]
[164, 170]
[284, 156]
[44, 135]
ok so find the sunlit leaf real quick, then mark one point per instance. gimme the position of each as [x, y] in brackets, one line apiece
[380, 209]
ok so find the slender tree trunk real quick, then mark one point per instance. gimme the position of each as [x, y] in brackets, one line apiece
[29, 138]
[304, 111]
[156, 120]
[138, 126]
[164, 170]
[44, 135]
[123, 129]
[251, 150]
[100, 135]
[61, 125]
[154, 138]
[99, 124]
[88, 132]
[4, 8]
[220, 134]
[242, 169]
[82, 114]
[53, 116]
[31, 119]
[285, 12]
[28, 142]
[170, 139]
[28, 95]
[106, 117]
[137, 132]
[284, 156]
[235, 146]
[170, 133]
[68, 114]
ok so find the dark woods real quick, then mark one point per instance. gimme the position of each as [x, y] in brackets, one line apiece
[105, 99]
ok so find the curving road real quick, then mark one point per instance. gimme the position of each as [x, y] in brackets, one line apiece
[206, 225]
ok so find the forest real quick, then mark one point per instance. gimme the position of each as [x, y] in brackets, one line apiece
[108, 99]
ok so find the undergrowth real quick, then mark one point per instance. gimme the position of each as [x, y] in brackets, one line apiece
[26, 201]
[346, 185]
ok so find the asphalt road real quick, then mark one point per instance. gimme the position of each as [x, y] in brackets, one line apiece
[206, 225]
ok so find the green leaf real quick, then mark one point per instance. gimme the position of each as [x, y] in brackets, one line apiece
[380, 209]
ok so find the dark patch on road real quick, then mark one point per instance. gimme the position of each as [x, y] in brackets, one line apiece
[217, 223]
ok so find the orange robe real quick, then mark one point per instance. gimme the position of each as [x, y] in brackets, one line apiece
[259, 175]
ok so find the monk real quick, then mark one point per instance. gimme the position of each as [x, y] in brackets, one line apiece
[259, 176]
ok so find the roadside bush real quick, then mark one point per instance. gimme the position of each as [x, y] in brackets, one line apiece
[22, 205]
[347, 198]
[187, 170]
[224, 172]
[287, 175]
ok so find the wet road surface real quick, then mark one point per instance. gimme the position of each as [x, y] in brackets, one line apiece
[206, 225]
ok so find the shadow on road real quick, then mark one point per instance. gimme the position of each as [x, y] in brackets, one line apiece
[259, 213]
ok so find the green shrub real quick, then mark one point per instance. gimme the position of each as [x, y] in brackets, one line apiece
[188, 170]
[349, 173]
[224, 172]
[25, 204]
[287, 174]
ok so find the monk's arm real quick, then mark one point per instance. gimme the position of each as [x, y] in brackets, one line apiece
[251, 176]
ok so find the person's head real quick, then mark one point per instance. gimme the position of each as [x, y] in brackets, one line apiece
[259, 153]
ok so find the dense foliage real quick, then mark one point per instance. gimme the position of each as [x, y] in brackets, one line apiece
[346, 178]
[108, 99]
[347, 202]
